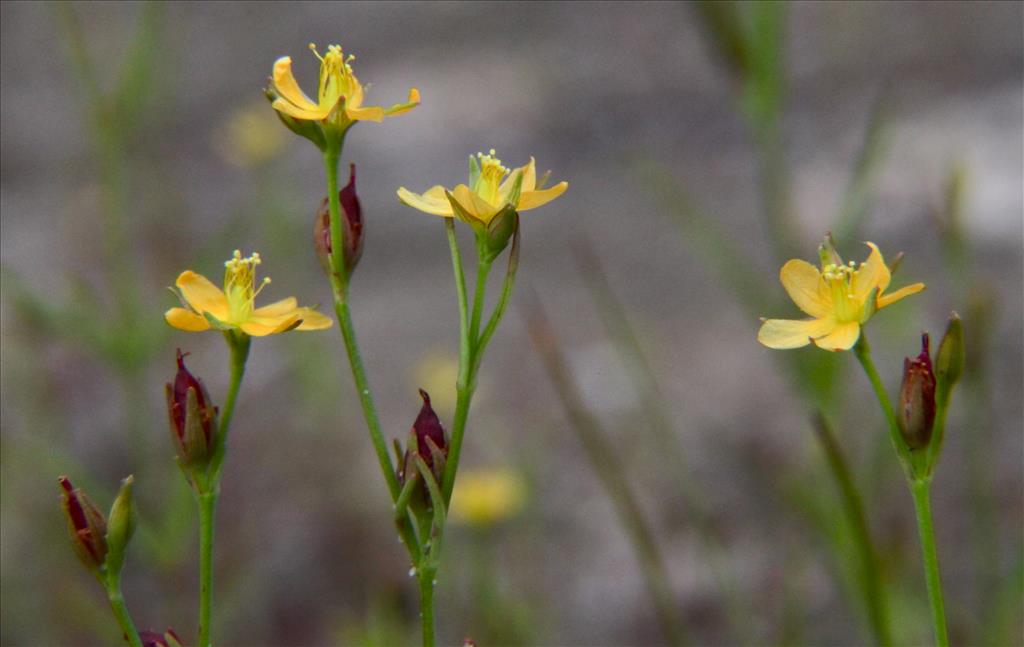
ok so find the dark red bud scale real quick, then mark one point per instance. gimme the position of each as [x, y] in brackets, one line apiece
[916, 414]
[428, 427]
[86, 524]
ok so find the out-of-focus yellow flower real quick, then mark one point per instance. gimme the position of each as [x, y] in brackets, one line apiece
[491, 189]
[249, 136]
[207, 306]
[437, 372]
[840, 298]
[486, 497]
[338, 89]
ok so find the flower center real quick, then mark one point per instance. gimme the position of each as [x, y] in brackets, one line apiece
[240, 285]
[335, 74]
[491, 174]
[840, 280]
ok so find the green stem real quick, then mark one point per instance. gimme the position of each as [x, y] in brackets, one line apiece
[124, 619]
[863, 352]
[853, 505]
[208, 488]
[460, 287]
[207, 509]
[239, 344]
[339, 282]
[426, 580]
[922, 505]
[919, 488]
[339, 285]
[483, 268]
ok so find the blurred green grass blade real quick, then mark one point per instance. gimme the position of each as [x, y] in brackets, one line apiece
[723, 23]
[604, 460]
[856, 198]
[135, 92]
[706, 238]
[871, 587]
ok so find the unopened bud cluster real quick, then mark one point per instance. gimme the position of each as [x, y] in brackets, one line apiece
[100, 543]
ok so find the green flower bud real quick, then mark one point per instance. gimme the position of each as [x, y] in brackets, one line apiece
[949, 362]
[120, 527]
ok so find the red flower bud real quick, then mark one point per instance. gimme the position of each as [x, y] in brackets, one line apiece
[427, 439]
[193, 419]
[351, 220]
[916, 414]
[87, 525]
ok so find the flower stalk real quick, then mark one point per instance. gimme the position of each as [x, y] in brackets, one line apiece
[918, 476]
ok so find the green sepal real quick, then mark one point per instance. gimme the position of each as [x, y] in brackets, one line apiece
[120, 528]
[216, 323]
[197, 450]
[464, 215]
[311, 130]
[950, 358]
[870, 305]
[501, 229]
[474, 172]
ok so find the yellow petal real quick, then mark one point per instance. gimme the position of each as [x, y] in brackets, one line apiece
[893, 297]
[534, 199]
[202, 295]
[789, 333]
[871, 274]
[482, 209]
[369, 113]
[410, 103]
[183, 319]
[477, 208]
[529, 173]
[843, 337]
[263, 326]
[804, 284]
[433, 200]
[313, 320]
[287, 87]
[530, 176]
[277, 308]
[290, 109]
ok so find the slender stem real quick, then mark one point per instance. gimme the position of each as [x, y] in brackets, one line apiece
[124, 619]
[426, 580]
[208, 487]
[460, 287]
[922, 505]
[339, 282]
[919, 488]
[853, 505]
[239, 344]
[339, 285]
[483, 268]
[466, 381]
[207, 509]
[499, 310]
[863, 352]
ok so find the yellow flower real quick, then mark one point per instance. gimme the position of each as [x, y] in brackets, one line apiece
[491, 189]
[233, 308]
[840, 298]
[485, 497]
[249, 136]
[339, 88]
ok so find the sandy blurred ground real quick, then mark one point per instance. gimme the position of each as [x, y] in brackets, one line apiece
[594, 91]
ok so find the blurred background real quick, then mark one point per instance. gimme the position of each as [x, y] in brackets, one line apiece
[704, 145]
